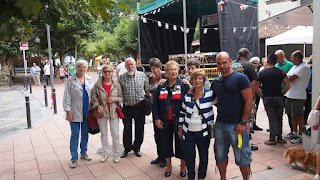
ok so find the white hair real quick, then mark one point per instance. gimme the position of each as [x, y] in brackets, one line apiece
[130, 58]
[255, 59]
[281, 52]
[80, 62]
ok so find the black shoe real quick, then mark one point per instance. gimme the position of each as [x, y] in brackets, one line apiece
[163, 163]
[124, 154]
[251, 131]
[250, 136]
[268, 130]
[138, 153]
[167, 174]
[254, 148]
[156, 161]
[257, 128]
[183, 174]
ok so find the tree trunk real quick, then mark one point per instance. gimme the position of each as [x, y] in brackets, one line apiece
[5, 70]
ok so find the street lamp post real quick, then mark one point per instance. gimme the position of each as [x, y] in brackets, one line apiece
[37, 40]
[51, 67]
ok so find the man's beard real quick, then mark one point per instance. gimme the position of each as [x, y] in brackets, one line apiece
[131, 73]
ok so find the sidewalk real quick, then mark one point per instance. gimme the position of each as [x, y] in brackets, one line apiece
[43, 153]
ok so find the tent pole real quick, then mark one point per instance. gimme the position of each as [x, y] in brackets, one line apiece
[265, 50]
[304, 50]
[184, 31]
[138, 22]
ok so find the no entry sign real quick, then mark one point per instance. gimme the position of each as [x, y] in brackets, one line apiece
[23, 46]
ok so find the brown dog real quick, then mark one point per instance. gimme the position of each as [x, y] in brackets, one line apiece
[296, 154]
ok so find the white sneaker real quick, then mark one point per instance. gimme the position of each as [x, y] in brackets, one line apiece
[317, 177]
[297, 140]
[85, 157]
[104, 158]
[116, 159]
[73, 164]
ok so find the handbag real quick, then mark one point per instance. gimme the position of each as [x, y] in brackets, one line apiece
[119, 111]
[96, 114]
[314, 115]
[210, 126]
[93, 124]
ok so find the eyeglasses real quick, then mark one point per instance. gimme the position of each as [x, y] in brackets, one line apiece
[107, 71]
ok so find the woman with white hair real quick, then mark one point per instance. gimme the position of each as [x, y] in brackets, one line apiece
[76, 98]
[256, 63]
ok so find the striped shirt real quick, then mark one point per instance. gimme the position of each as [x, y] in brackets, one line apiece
[206, 103]
[133, 88]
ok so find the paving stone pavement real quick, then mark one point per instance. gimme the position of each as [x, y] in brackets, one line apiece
[43, 151]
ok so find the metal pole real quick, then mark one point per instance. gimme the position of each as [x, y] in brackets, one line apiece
[50, 58]
[10, 80]
[185, 32]
[28, 112]
[45, 95]
[30, 86]
[139, 40]
[26, 80]
[24, 85]
[54, 101]
[25, 63]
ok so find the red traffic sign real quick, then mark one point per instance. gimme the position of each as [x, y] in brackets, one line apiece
[23, 46]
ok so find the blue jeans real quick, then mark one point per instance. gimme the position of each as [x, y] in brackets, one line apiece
[74, 139]
[191, 140]
[225, 135]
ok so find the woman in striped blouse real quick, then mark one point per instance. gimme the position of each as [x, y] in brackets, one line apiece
[193, 128]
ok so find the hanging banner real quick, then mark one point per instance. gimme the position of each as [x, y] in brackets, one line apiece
[209, 20]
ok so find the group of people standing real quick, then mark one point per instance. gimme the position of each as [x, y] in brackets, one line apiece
[182, 109]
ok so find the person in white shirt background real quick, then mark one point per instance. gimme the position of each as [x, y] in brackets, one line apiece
[298, 76]
[46, 70]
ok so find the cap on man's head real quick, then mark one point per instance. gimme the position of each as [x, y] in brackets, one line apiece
[244, 51]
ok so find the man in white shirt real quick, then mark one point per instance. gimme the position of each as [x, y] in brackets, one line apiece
[298, 76]
[35, 72]
[46, 70]
[121, 68]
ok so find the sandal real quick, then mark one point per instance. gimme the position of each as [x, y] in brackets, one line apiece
[270, 142]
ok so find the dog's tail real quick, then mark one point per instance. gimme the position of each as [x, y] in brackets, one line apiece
[286, 153]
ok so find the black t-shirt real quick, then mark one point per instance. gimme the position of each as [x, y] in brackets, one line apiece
[271, 79]
[245, 67]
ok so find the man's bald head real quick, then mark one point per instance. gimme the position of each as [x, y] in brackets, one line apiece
[224, 63]
[223, 55]
[280, 56]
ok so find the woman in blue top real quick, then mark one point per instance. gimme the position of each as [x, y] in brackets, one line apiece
[76, 98]
[165, 109]
[193, 128]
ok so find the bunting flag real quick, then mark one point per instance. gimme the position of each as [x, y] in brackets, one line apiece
[265, 28]
[221, 5]
[244, 29]
[268, 12]
[243, 7]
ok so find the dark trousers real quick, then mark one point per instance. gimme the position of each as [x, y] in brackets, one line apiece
[157, 139]
[47, 79]
[167, 141]
[289, 115]
[274, 108]
[191, 140]
[307, 105]
[136, 113]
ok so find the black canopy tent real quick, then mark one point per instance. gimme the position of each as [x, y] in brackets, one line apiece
[157, 40]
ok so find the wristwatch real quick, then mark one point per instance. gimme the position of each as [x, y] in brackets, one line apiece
[243, 122]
